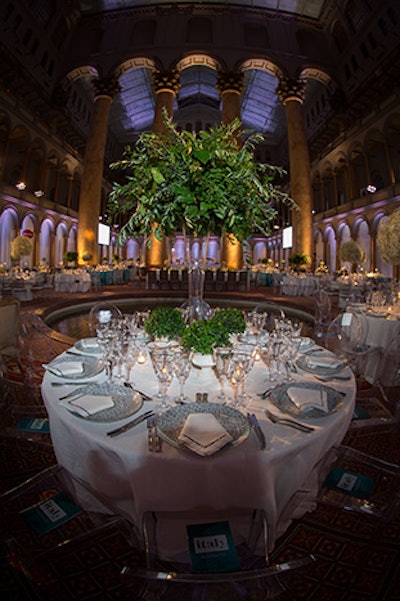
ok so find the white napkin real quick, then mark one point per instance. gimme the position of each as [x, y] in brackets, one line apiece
[324, 362]
[68, 368]
[203, 433]
[89, 404]
[308, 398]
[89, 343]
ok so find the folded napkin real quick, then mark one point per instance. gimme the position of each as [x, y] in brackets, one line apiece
[308, 398]
[323, 362]
[89, 404]
[203, 433]
[67, 368]
[89, 343]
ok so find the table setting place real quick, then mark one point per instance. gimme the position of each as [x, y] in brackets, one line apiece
[277, 378]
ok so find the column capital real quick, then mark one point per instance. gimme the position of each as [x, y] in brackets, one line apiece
[106, 86]
[230, 81]
[291, 89]
[166, 81]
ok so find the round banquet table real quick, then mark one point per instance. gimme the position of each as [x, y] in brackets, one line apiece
[135, 480]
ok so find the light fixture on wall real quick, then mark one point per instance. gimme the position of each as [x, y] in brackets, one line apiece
[38, 193]
[20, 185]
[370, 189]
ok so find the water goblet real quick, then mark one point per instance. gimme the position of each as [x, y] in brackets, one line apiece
[222, 366]
[163, 365]
[182, 366]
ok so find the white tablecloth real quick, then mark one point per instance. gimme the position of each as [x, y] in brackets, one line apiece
[136, 480]
[72, 282]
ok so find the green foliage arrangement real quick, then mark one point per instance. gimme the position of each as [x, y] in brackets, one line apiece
[388, 238]
[71, 256]
[232, 320]
[195, 183]
[165, 322]
[201, 336]
[87, 256]
[298, 261]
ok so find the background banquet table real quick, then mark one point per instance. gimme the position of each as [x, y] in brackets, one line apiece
[72, 282]
[136, 480]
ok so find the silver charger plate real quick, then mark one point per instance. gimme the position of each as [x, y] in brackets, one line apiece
[280, 399]
[90, 367]
[81, 345]
[171, 422]
[126, 402]
[304, 363]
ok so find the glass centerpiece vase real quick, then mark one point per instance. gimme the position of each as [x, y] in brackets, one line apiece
[195, 262]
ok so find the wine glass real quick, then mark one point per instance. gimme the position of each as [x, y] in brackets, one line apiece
[182, 365]
[222, 365]
[163, 365]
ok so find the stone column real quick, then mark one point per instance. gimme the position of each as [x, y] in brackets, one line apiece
[166, 86]
[93, 165]
[230, 87]
[291, 93]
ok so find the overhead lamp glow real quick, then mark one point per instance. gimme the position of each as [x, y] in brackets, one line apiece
[371, 189]
[38, 193]
[20, 185]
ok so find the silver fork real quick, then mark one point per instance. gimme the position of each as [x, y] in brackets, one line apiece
[285, 421]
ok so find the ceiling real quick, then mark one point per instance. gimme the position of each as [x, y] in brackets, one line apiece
[198, 100]
[305, 8]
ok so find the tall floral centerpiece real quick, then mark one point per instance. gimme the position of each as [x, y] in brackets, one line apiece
[351, 252]
[197, 184]
[21, 246]
[388, 238]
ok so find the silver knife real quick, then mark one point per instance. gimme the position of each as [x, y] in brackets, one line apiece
[257, 429]
[131, 424]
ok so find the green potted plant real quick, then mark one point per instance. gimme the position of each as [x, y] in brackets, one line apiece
[165, 322]
[20, 247]
[232, 320]
[201, 336]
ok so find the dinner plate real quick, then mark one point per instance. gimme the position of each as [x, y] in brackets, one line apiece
[126, 402]
[305, 343]
[171, 422]
[90, 367]
[282, 401]
[89, 346]
[304, 363]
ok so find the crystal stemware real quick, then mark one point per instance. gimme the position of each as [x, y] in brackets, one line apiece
[163, 365]
[222, 366]
[182, 366]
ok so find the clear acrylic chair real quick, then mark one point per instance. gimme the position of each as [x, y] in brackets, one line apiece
[347, 338]
[54, 526]
[359, 482]
[171, 554]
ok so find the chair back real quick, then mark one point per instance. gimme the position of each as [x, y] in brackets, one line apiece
[9, 326]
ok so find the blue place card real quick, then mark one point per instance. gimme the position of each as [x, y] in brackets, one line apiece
[34, 424]
[350, 483]
[50, 513]
[212, 548]
[360, 413]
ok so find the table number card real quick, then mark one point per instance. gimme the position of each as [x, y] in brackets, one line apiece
[350, 483]
[34, 424]
[50, 513]
[212, 548]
